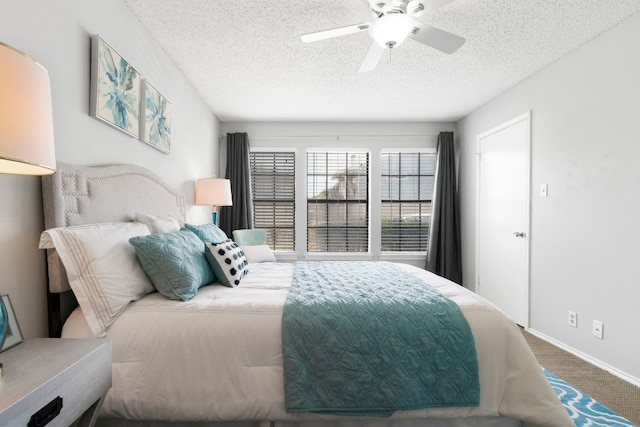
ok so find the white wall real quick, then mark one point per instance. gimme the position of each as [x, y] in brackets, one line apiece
[57, 34]
[585, 234]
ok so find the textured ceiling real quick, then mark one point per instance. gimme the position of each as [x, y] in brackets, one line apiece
[246, 59]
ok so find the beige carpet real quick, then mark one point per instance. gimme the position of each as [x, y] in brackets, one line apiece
[617, 394]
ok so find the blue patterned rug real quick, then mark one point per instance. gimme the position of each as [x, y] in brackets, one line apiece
[582, 408]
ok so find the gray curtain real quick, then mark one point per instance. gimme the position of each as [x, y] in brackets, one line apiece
[240, 215]
[443, 253]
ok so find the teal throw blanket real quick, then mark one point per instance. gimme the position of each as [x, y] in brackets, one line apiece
[368, 338]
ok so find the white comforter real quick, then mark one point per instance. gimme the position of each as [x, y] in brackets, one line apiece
[218, 357]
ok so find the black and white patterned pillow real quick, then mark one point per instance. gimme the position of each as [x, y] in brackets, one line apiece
[228, 262]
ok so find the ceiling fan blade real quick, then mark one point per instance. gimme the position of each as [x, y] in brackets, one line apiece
[431, 5]
[435, 38]
[335, 32]
[372, 58]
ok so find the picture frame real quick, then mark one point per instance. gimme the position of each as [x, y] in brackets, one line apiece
[13, 335]
[155, 123]
[115, 88]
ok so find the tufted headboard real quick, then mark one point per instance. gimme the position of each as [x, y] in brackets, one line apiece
[77, 195]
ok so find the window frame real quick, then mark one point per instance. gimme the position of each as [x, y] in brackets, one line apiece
[400, 151]
[271, 230]
[346, 202]
[361, 137]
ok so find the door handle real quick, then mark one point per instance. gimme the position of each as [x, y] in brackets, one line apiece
[519, 234]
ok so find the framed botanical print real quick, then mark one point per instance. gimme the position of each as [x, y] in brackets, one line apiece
[155, 127]
[13, 335]
[115, 88]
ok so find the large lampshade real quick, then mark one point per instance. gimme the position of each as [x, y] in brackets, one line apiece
[392, 29]
[26, 119]
[213, 192]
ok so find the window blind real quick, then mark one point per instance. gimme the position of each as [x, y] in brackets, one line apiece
[273, 188]
[337, 202]
[406, 191]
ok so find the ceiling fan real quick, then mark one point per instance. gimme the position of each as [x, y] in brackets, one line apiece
[394, 21]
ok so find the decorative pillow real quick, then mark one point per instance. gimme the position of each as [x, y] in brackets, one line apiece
[208, 232]
[228, 261]
[158, 225]
[175, 263]
[102, 268]
[258, 253]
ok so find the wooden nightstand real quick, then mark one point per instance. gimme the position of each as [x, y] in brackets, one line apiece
[43, 375]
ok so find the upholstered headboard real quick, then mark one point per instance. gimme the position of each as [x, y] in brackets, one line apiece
[77, 195]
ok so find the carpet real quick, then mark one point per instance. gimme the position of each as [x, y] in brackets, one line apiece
[582, 408]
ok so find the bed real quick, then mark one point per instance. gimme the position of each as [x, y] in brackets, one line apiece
[216, 359]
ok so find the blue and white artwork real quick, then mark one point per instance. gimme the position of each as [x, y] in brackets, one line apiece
[115, 89]
[157, 119]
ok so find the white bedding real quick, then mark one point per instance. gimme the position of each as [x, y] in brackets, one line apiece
[218, 357]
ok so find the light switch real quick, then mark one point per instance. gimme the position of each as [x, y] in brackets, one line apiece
[544, 190]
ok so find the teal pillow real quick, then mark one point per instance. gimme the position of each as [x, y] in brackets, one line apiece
[208, 232]
[175, 263]
[228, 261]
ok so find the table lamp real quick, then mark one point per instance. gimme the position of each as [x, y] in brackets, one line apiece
[213, 192]
[26, 124]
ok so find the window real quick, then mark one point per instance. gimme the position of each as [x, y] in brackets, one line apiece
[335, 211]
[273, 188]
[406, 192]
[337, 202]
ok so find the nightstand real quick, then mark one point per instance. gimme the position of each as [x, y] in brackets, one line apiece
[47, 375]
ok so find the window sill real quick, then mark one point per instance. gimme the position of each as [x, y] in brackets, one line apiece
[414, 258]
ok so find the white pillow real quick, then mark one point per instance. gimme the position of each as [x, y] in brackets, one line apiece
[258, 253]
[102, 267]
[158, 225]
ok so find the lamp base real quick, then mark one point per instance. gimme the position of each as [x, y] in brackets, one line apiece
[214, 218]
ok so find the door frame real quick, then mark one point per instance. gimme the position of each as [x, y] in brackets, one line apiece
[525, 117]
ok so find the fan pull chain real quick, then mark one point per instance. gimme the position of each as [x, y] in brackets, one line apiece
[390, 50]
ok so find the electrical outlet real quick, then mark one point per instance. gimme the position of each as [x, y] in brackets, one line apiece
[598, 329]
[573, 319]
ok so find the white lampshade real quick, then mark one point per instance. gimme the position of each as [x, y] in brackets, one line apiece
[392, 29]
[213, 192]
[26, 118]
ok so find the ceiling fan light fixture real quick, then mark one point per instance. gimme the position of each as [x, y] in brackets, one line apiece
[415, 8]
[392, 29]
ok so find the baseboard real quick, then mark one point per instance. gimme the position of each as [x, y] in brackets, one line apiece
[613, 371]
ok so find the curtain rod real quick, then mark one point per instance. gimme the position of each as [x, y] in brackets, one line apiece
[337, 137]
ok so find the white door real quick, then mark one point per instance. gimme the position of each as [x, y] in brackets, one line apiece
[502, 239]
